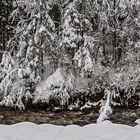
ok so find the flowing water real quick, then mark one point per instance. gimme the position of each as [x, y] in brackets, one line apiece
[120, 115]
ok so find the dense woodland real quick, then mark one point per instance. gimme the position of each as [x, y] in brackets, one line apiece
[71, 54]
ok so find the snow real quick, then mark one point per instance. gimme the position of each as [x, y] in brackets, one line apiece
[56, 80]
[102, 131]
[82, 56]
[105, 109]
[42, 28]
[56, 85]
[137, 121]
[20, 73]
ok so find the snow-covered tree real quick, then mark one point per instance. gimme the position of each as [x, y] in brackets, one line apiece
[5, 24]
[77, 39]
[34, 37]
[98, 39]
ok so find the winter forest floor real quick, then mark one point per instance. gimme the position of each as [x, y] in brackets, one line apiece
[119, 115]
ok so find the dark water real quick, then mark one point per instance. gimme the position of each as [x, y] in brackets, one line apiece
[125, 116]
[120, 115]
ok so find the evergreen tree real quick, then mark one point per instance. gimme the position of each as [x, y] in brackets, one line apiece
[34, 36]
[5, 24]
[99, 39]
[77, 37]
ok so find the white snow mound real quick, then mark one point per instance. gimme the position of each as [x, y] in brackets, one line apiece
[56, 85]
[56, 79]
[102, 131]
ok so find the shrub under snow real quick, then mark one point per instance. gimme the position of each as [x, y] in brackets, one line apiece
[57, 87]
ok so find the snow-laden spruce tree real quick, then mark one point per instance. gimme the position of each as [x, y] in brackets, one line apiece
[117, 25]
[126, 74]
[33, 37]
[77, 39]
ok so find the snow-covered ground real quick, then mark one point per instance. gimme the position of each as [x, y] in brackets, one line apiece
[101, 131]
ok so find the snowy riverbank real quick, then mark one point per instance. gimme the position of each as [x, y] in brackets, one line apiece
[102, 131]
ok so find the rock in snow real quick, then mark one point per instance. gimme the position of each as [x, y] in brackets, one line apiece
[102, 131]
[137, 121]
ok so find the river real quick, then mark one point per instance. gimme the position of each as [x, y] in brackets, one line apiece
[119, 115]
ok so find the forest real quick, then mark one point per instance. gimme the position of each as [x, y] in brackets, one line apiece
[70, 54]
